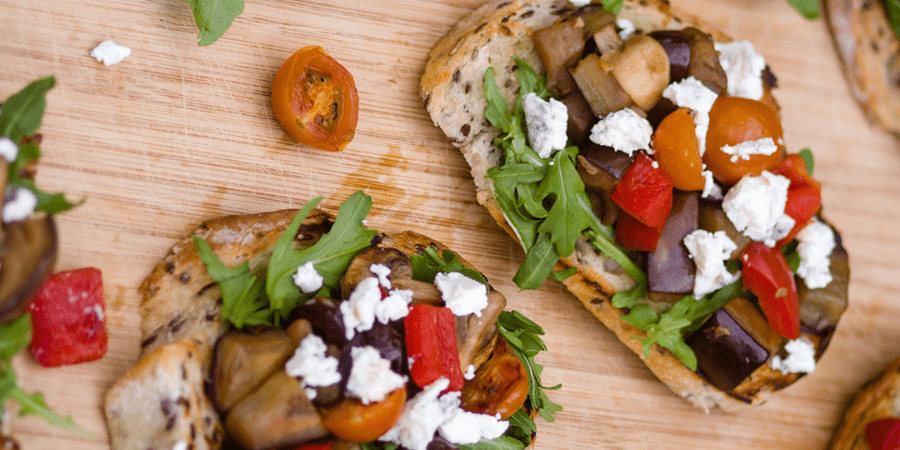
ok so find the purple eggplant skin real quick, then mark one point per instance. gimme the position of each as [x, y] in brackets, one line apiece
[670, 269]
[678, 49]
[726, 352]
[388, 339]
[325, 316]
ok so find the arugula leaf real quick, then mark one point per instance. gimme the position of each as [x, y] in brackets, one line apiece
[15, 336]
[378, 445]
[807, 8]
[34, 404]
[242, 304]
[523, 337]
[22, 113]
[892, 8]
[430, 263]
[501, 443]
[807, 156]
[214, 17]
[562, 185]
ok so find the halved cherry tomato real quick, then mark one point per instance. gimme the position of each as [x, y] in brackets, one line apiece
[767, 275]
[633, 235]
[677, 152]
[804, 196]
[644, 192]
[352, 421]
[733, 120]
[431, 346]
[315, 99]
[883, 434]
[500, 384]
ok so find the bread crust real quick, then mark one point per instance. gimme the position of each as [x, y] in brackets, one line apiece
[453, 93]
[878, 399]
[870, 55]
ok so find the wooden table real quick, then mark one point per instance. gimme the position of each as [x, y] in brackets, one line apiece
[179, 133]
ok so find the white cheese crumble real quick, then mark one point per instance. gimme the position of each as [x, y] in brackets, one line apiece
[109, 53]
[8, 149]
[709, 252]
[311, 393]
[371, 378]
[623, 130]
[743, 68]
[427, 413]
[580, 3]
[801, 357]
[711, 190]
[547, 122]
[626, 28]
[691, 93]
[764, 146]
[310, 363]
[470, 372]
[180, 445]
[814, 245]
[307, 278]
[365, 305]
[755, 205]
[20, 203]
[381, 271]
[461, 294]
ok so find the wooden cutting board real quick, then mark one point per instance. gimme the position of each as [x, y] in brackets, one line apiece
[179, 133]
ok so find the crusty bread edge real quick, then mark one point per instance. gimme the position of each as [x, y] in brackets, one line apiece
[878, 399]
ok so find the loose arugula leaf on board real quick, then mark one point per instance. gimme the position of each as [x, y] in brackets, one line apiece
[34, 404]
[807, 8]
[22, 113]
[15, 336]
[214, 17]
[242, 301]
[523, 337]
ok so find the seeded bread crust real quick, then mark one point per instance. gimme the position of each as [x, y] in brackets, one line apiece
[878, 399]
[870, 53]
[453, 92]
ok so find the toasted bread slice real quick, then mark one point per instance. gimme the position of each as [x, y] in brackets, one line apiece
[878, 399]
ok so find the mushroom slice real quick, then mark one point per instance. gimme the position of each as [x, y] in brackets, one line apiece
[29, 254]
[475, 335]
[359, 268]
[242, 360]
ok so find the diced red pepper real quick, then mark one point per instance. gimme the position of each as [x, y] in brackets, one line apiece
[634, 235]
[767, 275]
[644, 192]
[67, 316]
[804, 196]
[319, 446]
[883, 434]
[431, 346]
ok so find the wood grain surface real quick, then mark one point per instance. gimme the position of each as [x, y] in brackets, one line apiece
[179, 133]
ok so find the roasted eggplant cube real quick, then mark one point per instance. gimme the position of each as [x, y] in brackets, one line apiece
[726, 352]
[670, 269]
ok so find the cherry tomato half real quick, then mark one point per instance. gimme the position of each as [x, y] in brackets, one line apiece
[500, 384]
[677, 152]
[733, 120]
[352, 421]
[315, 99]
[883, 434]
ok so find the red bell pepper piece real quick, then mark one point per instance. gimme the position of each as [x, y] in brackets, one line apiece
[767, 275]
[431, 346]
[804, 196]
[634, 235]
[67, 316]
[319, 446]
[883, 434]
[644, 192]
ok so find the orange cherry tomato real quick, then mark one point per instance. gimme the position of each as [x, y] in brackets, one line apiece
[500, 384]
[733, 120]
[677, 152]
[352, 421]
[315, 99]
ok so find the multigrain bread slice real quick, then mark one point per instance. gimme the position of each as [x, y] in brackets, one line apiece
[453, 93]
[878, 399]
[870, 54]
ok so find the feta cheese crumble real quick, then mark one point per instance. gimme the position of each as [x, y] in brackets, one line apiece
[580, 3]
[365, 305]
[764, 146]
[691, 93]
[466, 428]
[547, 122]
[20, 203]
[381, 271]
[371, 378]
[470, 372]
[743, 68]
[626, 28]
[307, 278]
[310, 363]
[395, 306]
[461, 294]
[801, 357]
[755, 205]
[709, 252]
[180, 445]
[623, 130]
[8, 149]
[109, 53]
[711, 190]
[814, 245]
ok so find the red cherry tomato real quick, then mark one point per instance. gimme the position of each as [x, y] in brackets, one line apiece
[633, 235]
[677, 152]
[767, 275]
[315, 99]
[883, 434]
[431, 346]
[733, 120]
[804, 194]
[644, 192]
[67, 315]
[500, 385]
[352, 421]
